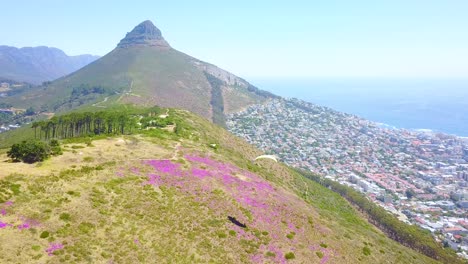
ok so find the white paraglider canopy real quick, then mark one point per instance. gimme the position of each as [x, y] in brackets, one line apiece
[272, 157]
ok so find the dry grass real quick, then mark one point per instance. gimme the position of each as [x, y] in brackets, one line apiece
[104, 150]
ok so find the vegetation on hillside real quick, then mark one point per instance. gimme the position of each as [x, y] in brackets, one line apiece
[167, 195]
[32, 151]
[408, 235]
[217, 101]
[261, 93]
[84, 124]
[86, 89]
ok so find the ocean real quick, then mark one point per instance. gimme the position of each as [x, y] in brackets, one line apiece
[437, 105]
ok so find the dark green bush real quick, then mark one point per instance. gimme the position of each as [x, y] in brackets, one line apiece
[32, 151]
[55, 148]
[29, 151]
[65, 217]
[290, 255]
[366, 251]
[44, 234]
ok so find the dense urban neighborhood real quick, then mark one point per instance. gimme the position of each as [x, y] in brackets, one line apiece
[419, 176]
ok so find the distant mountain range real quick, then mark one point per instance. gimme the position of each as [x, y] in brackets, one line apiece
[145, 70]
[39, 64]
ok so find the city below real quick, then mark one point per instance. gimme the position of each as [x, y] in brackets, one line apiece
[420, 177]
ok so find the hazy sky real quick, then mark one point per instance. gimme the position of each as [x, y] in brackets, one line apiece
[388, 38]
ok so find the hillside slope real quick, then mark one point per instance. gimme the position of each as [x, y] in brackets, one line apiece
[190, 196]
[39, 64]
[145, 70]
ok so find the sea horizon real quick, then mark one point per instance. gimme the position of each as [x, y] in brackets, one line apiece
[437, 105]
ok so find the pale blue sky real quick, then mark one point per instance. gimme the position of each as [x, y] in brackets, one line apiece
[393, 38]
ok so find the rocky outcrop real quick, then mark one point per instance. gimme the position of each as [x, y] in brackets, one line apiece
[145, 34]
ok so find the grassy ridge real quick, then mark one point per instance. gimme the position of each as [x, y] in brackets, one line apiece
[103, 202]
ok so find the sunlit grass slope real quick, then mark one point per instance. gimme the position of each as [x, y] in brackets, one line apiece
[191, 197]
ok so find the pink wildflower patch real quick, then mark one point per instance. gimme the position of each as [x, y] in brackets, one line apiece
[27, 223]
[252, 202]
[199, 173]
[3, 225]
[165, 166]
[325, 259]
[3, 212]
[153, 179]
[53, 247]
[206, 161]
[24, 226]
[257, 204]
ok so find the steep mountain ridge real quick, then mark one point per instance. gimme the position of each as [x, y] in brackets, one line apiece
[39, 64]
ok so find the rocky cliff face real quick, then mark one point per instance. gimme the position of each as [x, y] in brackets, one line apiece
[145, 34]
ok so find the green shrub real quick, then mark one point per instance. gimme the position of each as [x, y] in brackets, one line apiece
[55, 148]
[85, 227]
[290, 255]
[29, 151]
[319, 254]
[44, 234]
[88, 159]
[366, 251]
[89, 142]
[32, 151]
[36, 247]
[65, 217]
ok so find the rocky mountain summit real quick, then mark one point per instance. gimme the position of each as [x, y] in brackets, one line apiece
[145, 34]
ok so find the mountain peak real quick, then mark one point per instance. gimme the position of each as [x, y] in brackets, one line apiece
[145, 34]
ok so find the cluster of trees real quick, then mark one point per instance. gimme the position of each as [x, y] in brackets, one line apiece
[84, 124]
[261, 93]
[5, 117]
[409, 235]
[34, 150]
[86, 89]
[151, 121]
